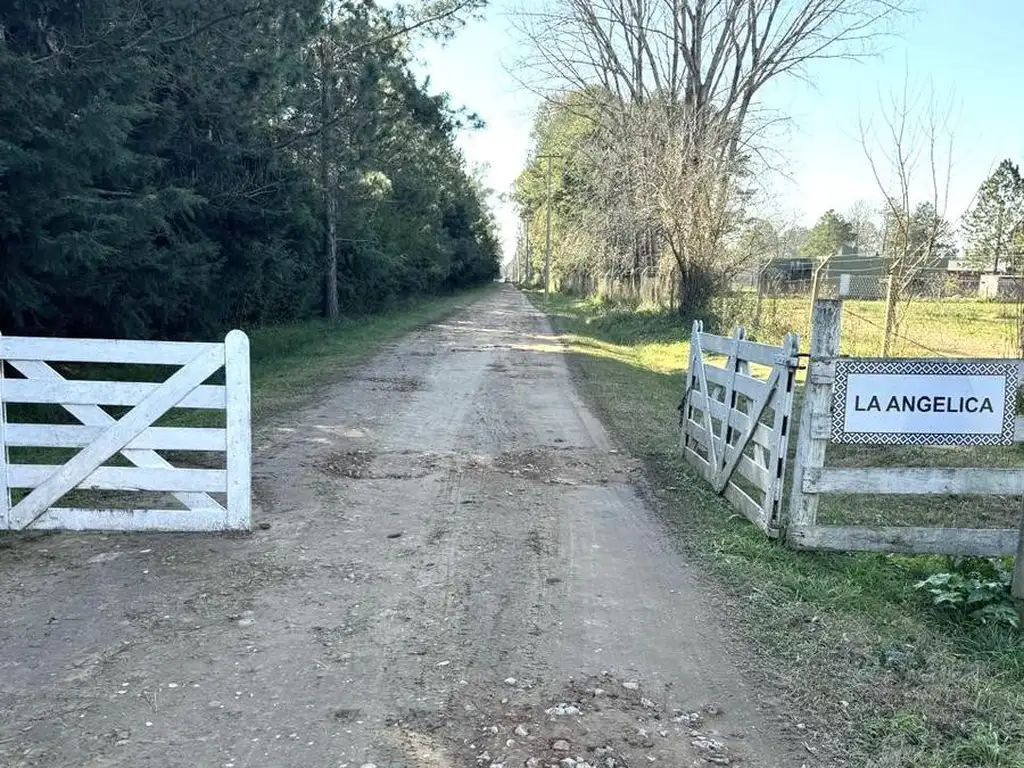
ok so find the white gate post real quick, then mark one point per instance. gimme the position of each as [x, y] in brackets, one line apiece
[239, 430]
[5, 491]
[815, 410]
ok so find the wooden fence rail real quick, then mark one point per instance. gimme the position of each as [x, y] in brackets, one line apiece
[811, 476]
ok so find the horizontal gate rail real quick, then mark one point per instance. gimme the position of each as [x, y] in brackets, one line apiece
[100, 436]
[905, 481]
[210, 397]
[153, 438]
[970, 542]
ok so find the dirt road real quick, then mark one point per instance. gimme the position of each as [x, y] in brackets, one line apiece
[459, 572]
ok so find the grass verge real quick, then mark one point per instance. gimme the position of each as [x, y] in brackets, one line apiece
[878, 676]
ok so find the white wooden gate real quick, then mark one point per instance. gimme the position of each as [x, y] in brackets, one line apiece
[735, 426]
[101, 436]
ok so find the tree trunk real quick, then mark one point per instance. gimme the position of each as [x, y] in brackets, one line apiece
[696, 286]
[760, 300]
[331, 309]
[890, 315]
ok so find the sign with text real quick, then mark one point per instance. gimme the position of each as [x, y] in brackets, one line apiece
[924, 402]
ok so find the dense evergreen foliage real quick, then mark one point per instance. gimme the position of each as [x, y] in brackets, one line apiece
[169, 168]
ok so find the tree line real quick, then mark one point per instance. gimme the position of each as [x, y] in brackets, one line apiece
[170, 169]
[653, 111]
[652, 148]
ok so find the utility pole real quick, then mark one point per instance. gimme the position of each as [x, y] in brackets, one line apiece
[528, 266]
[547, 238]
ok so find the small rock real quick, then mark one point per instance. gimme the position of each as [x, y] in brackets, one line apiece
[561, 746]
[521, 731]
[105, 557]
[510, 681]
[567, 762]
[647, 703]
[396, 535]
[631, 685]
[709, 744]
[688, 718]
[531, 762]
[609, 762]
[719, 760]
[562, 710]
[263, 526]
[369, 765]
[599, 691]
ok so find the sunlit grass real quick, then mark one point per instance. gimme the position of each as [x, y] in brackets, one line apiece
[927, 328]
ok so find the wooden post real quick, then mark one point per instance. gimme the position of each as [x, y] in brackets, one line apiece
[1017, 585]
[816, 284]
[810, 449]
[5, 491]
[239, 431]
[547, 237]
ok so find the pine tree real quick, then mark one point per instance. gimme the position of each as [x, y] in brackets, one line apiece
[829, 234]
[993, 227]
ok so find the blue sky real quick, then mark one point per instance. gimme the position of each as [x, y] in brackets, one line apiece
[972, 50]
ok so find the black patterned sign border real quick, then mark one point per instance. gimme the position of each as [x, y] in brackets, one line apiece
[925, 366]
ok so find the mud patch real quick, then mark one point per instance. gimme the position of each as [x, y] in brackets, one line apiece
[395, 384]
[598, 722]
[532, 464]
[350, 464]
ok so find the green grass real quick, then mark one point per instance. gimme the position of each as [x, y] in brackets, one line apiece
[950, 328]
[876, 674]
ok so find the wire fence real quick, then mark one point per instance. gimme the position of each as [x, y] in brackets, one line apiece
[940, 314]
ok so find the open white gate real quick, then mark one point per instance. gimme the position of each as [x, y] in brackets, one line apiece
[735, 426]
[29, 491]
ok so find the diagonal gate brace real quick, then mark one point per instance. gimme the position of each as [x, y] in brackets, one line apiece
[117, 436]
[94, 416]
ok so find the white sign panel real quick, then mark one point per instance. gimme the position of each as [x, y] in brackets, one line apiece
[924, 402]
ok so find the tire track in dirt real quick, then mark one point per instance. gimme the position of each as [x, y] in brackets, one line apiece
[459, 572]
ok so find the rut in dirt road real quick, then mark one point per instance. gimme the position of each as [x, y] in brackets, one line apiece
[459, 572]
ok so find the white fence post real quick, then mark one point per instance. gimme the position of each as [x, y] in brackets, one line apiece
[5, 491]
[239, 431]
[811, 444]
